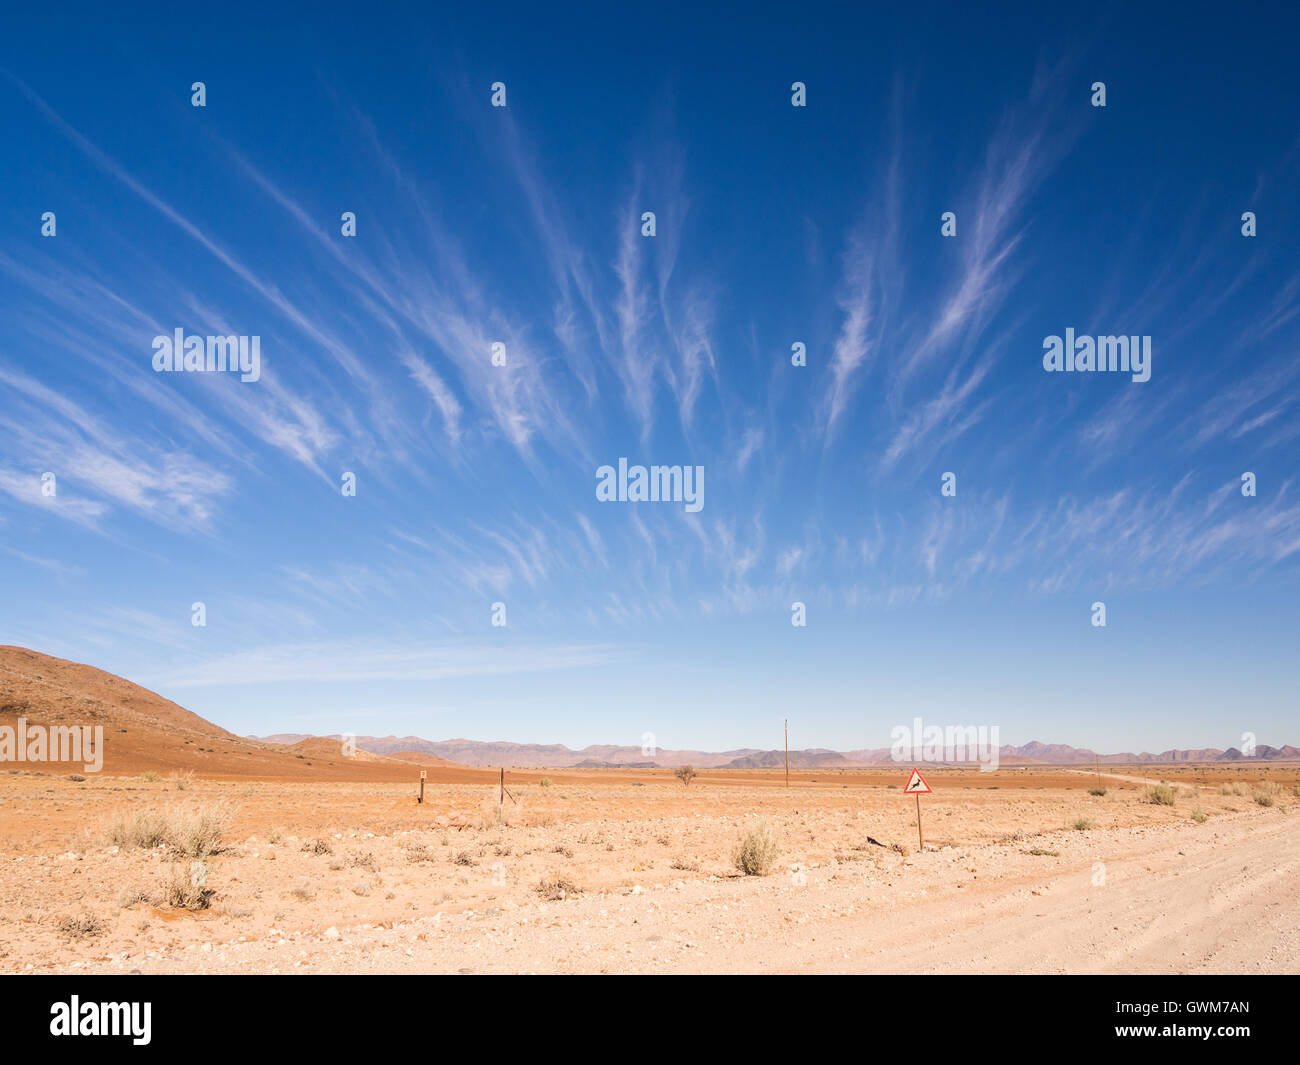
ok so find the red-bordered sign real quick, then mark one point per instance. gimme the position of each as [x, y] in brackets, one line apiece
[916, 784]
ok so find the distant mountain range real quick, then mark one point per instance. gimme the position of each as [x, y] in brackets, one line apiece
[557, 756]
[145, 732]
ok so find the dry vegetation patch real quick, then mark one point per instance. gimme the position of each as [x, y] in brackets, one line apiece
[756, 853]
[188, 833]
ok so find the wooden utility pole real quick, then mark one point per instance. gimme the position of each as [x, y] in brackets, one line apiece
[423, 774]
[503, 785]
[787, 752]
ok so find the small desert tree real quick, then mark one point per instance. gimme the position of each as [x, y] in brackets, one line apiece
[685, 774]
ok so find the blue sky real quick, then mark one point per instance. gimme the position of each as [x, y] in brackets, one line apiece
[774, 225]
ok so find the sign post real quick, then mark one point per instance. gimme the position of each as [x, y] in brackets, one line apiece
[917, 786]
[423, 773]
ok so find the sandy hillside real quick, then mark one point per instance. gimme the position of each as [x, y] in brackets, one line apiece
[144, 732]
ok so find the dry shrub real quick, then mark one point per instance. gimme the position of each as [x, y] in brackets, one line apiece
[84, 926]
[418, 852]
[192, 833]
[1265, 793]
[182, 893]
[497, 814]
[147, 829]
[200, 832]
[128, 897]
[756, 853]
[557, 888]
[1161, 794]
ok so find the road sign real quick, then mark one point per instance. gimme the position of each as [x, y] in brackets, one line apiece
[423, 773]
[917, 786]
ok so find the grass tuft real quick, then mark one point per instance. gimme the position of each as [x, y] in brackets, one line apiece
[194, 833]
[85, 926]
[557, 888]
[756, 853]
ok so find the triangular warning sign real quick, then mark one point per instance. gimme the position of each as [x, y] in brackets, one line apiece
[916, 784]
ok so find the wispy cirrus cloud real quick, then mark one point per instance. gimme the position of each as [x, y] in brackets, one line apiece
[349, 661]
[102, 468]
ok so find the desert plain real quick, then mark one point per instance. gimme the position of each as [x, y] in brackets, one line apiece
[193, 850]
[631, 871]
